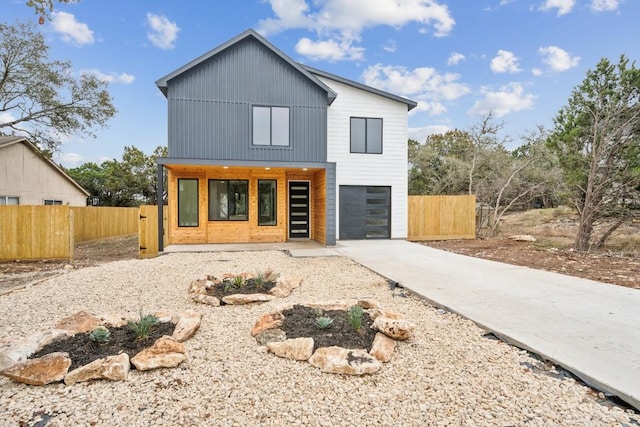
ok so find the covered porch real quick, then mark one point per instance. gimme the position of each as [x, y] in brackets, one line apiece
[220, 202]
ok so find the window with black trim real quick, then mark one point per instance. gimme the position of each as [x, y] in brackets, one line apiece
[267, 202]
[52, 202]
[187, 202]
[271, 126]
[228, 200]
[366, 135]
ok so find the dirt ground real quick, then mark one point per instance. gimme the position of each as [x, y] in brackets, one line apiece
[17, 274]
[553, 229]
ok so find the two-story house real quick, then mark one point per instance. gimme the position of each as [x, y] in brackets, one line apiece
[265, 149]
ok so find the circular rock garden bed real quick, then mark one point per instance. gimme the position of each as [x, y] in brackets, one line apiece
[346, 337]
[86, 347]
[242, 288]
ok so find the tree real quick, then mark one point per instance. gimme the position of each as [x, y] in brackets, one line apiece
[41, 97]
[44, 7]
[597, 139]
[130, 182]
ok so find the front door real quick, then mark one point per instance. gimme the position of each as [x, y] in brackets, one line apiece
[298, 209]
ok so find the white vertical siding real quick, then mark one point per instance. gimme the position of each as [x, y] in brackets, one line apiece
[386, 169]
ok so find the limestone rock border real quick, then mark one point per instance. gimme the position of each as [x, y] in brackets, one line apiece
[166, 352]
[282, 289]
[391, 327]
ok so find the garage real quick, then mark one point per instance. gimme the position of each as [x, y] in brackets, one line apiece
[365, 212]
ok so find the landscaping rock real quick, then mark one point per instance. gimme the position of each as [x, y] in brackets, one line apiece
[206, 299]
[186, 326]
[115, 368]
[165, 353]
[338, 360]
[267, 321]
[82, 321]
[12, 352]
[44, 370]
[383, 347]
[295, 349]
[396, 329]
[523, 238]
[247, 298]
[271, 335]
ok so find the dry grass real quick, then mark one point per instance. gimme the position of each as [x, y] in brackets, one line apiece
[557, 228]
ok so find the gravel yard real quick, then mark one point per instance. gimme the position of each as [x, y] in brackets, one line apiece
[450, 373]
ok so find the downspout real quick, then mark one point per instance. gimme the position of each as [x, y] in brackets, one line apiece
[160, 202]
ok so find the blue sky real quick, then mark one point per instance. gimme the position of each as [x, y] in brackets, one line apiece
[459, 59]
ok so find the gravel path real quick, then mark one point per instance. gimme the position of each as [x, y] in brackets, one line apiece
[448, 374]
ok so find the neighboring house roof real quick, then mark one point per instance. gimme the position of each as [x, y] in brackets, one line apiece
[6, 141]
[410, 104]
[163, 82]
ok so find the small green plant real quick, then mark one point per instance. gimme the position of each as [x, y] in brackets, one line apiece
[228, 284]
[355, 317]
[259, 280]
[100, 334]
[143, 326]
[323, 322]
[238, 281]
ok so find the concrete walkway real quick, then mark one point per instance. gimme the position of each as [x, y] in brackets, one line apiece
[590, 328]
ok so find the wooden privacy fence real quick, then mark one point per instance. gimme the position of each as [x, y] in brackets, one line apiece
[148, 230]
[442, 217]
[49, 232]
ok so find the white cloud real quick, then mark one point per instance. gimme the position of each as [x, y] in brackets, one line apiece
[426, 85]
[71, 30]
[6, 117]
[536, 72]
[390, 46]
[604, 5]
[563, 6]
[558, 59]
[505, 62]
[420, 134]
[507, 99]
[329, 50]
[111, 77]
[342, 21]
[455, 58]
[69, 159]
[163, 32]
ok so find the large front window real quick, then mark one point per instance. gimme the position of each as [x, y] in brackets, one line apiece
[267, 202]
[271, 126]
[187, 202]
[228, 200]
[366, 135]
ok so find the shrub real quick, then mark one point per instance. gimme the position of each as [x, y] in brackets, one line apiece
[100, 334]
[355, 317]
[143, 326]
[323, 322]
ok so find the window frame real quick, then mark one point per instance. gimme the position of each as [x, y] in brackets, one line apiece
[274, 204]
[228, 182]
[366, 132]
[5, 199]
[253, 127]
[52, 202]
[197, 181]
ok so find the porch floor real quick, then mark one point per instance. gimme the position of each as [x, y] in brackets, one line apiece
[297, 248]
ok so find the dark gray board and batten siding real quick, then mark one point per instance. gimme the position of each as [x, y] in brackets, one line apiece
[210, 107]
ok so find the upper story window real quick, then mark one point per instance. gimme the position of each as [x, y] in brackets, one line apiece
[9, 200]
[366, 135]
[228, 200]
[271, 126]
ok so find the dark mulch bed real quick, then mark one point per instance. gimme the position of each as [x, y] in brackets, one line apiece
[300, 322]
[82, 350]
[248, 286]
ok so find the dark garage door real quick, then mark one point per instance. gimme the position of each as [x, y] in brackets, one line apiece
[365, 212]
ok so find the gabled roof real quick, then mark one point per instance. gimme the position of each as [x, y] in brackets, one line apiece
[162, 82]
[410, 104]
[6, 141]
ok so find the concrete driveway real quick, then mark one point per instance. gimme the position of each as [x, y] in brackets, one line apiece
[590, 328]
